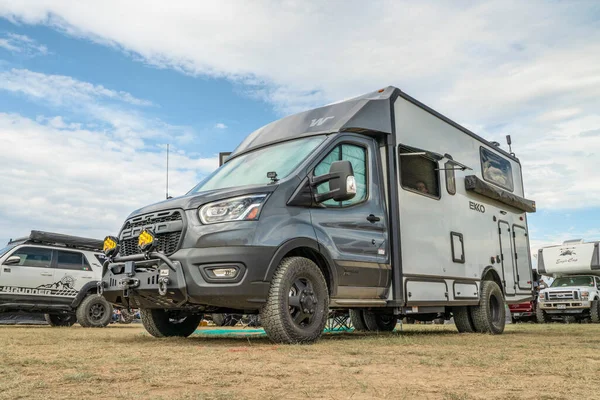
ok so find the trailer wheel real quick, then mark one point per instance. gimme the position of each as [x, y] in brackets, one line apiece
[165, 323]
[94, 312]
[489, 316]
[60, 319]
[463, 320]
[297, 308]
[541, 316]
[356, 316]
[595, 312]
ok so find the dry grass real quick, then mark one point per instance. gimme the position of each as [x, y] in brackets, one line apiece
[427, 362]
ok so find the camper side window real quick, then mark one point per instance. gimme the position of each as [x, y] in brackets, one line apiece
[419, 174]
[450, 177]
[357, 155]
[496, 170]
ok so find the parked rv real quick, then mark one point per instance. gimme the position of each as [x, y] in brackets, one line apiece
[575, 291]
[377, 204]
[57, 275]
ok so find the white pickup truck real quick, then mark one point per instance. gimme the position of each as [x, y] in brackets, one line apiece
[575, 291]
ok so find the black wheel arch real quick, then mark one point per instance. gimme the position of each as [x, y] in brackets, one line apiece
[90, 287]
[308, 248]
[490, 274]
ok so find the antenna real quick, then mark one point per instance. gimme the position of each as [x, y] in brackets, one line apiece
[509, 142]
[167, 190]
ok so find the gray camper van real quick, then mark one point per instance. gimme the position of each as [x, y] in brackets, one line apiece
[378, 205]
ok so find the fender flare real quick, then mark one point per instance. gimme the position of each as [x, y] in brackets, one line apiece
[83, 292]
[296, 243]
[495, 275]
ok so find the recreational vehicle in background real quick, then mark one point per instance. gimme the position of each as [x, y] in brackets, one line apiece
[377, 204]
[575, 290]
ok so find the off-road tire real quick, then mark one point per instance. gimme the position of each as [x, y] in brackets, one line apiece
[60, 319]
[463, 319]
[541, 316]
[94, 312]
[490, 315]
[276, 315]
[595, 312]
[356, 316]
[386, 322]
[161, 323]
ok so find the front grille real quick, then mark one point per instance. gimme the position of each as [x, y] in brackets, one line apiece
[563, 295]
[166, 225]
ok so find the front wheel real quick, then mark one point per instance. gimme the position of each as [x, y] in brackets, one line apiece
[94, 312]
[595, 312]
[60, 319]
[490, 315]
[165, 323]
[541, 316]
[297, 307]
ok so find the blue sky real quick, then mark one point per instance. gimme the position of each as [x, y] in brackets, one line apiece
[100, 93]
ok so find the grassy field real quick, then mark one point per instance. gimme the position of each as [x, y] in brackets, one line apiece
[529, 361]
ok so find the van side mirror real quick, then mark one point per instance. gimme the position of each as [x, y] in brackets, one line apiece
[342, 184]
[12, 260]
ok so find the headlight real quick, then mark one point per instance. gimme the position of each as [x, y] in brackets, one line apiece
[542, 296]
[244, 208]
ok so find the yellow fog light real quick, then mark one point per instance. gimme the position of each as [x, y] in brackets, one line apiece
[147, 241]
[111, 246]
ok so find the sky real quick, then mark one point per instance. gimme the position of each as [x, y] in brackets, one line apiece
[91, 95]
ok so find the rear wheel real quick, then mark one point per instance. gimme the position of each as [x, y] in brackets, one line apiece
[386, 322]
[165, 323]
[463, 320]
[356, 316]
[297, 308]
[60, 319]
[490, 315]
[541, 316]
[94, 312]
[595, 312]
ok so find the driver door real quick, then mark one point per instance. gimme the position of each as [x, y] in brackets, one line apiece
[31, 276]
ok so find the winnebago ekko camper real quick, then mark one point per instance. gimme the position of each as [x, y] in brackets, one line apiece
[377, 204]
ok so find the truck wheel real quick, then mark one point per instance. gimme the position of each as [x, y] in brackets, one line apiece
[541, 316]
[298, 304]
[463, 320]
[386, 322]
[163, 323]
[490, 315]
[60, 319]
[595, 312]
[356, 316]
[94, 312]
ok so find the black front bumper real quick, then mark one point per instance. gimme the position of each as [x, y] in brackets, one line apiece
[180, 281]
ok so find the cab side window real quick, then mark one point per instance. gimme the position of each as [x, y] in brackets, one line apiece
[34, 257]
[419, 174]
[72, 260]
[357, 155]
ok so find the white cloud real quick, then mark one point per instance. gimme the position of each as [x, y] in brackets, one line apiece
[220, 125]
[22, 44]
[60, 177]
[528, 69]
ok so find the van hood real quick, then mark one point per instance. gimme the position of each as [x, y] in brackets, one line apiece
[195, 200]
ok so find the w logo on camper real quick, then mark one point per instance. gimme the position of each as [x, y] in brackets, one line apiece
[319, 121]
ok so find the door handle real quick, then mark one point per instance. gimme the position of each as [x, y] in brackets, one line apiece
[86, 277]
[372, 218]
[46, 274]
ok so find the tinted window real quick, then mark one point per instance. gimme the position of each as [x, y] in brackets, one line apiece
[496, 170]
[450, 178]
[419, 174]
[357, 155]
[72, 260]
[33, 257]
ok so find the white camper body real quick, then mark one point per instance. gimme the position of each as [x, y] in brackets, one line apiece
[574, 257]
[451, 237]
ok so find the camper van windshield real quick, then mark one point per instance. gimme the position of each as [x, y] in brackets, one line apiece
[252, 168]
[573, 281]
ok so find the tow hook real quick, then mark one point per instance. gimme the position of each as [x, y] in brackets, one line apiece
[129, 283]
[163, 281]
